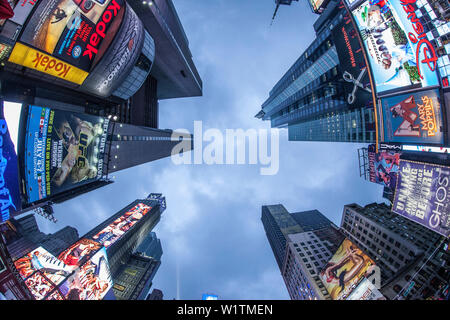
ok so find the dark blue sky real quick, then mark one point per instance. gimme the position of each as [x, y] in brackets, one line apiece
[212, 236]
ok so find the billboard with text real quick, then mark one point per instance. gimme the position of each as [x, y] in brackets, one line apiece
[63, 150]
[423, 195]
[383, 166]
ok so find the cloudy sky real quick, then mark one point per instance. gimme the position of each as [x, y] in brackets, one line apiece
[212, 236]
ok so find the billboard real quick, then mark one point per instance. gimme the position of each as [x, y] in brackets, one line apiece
[345, 270]
[9, 172]
[423, 195]
[36, 60]
[114, 231]
[22, 10]
[318, 5]
[412, 118]
[63, 150]
[76, 31]
[383, 166]
[366, 291]
[79, 252]
[91, 281]
[355, 79]
[397, 45]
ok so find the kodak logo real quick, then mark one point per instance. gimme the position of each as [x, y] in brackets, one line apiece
[45, 63]
[100, 29]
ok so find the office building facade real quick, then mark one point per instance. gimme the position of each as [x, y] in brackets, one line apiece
[414, 260]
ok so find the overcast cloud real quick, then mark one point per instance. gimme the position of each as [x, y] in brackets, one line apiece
[212, 236]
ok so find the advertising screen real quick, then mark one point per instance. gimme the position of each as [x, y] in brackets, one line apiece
[366, 291]
[74, 30]
[345, 270]
[63, 150]
[413, 118]
[121, 225]
[383, 167]
[318, 5]
[351, 61]
[22, 10]
[91, 281]
[423, 195]
[79, 252]
[9, 173]
[397, 46]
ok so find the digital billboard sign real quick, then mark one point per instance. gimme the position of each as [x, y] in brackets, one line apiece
[397, 45]
[423, 195]
[10, 199]
[383, 166]
[366, 291]
[79, 252]
[348, 266]
[63, 150]
[114, 231]
[412, 118]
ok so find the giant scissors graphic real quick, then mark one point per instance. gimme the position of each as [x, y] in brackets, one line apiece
[357, 84]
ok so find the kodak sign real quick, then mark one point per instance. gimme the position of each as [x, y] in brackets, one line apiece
[33, 59]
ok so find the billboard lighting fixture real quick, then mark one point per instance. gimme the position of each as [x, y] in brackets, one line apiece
[115, 118]
[109, 116]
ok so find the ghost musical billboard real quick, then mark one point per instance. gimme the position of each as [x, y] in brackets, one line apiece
[63, 150]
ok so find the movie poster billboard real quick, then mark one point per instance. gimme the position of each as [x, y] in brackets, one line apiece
[79, 252]
[355, 78]
[10, 199]
[397, 46]
[76, 31]
[114, 231]
[345, 270]
[423, 195]
[366, 290]
[63, 150]
[91, 281]
[383, 167]
[413, 118]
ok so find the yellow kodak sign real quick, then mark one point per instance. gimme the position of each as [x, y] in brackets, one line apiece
[31, 58]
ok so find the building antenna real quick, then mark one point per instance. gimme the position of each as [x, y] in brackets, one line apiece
[275, 13]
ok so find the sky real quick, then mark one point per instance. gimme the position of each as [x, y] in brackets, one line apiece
[211, 232]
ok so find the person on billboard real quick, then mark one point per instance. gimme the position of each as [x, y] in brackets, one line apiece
[403, 110]
[6, 12]
[73, 256]
[342, 272]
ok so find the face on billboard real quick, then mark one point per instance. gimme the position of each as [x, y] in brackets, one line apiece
[73, 30]
[121, 225]
[63, 150]
[391, 34]
[91, 281]
[77, 253]
[345, 269]
[413, 118]
[423, 195]
[384, 167]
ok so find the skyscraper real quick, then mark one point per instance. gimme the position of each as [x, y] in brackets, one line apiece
[302, 243]
[414, 260]
[312, 98]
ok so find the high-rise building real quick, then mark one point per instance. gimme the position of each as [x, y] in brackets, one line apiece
[155, 295]
[134, 279]
[302, 243]
[414, 260]
[313, 98]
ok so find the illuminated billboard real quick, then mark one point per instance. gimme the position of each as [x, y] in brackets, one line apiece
[383, 167]
[79, 252]
[423, 195]
[63, 150]
[114, 231]
[10, 199]
[345, 270]
[412, 118]
[318, 5]
[397, 45]
[366, 291]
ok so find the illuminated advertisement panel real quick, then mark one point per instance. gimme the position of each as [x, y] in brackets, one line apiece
[355, 76]
[9, 173]
[63, 150]
[366, 291]
[79, 252]
[74, 30]
[383, 167]
[36, 60]
[423, 195]
[22, 10]
[397, 46]
[345, 270]
[91, 281]
[413, 118]
[318, 5]
[114, 231]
